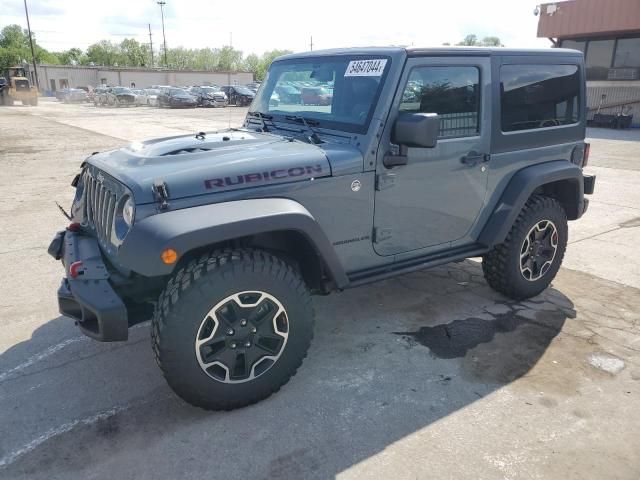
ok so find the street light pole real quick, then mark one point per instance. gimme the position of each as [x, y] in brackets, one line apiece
[164, 38]
[33, 55]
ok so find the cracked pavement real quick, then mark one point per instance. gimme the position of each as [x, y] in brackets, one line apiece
[428, 375]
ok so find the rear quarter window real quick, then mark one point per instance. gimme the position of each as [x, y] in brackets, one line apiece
[539, 96]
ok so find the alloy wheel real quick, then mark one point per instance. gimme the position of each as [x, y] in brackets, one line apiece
[242, 337]
[538, 250]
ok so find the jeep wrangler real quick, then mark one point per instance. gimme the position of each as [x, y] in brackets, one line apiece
[407, 158]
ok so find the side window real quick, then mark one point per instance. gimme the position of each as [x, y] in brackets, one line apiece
[535, 96]
[451, 92]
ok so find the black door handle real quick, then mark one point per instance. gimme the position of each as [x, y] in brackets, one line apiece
[473, 158]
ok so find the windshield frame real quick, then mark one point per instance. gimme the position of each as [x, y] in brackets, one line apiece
[323, 123]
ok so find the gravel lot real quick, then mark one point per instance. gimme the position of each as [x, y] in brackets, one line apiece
[431, 375]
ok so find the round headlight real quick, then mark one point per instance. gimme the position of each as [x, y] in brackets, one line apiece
[128, 211]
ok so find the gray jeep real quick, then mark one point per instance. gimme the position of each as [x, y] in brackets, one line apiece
[411, 158]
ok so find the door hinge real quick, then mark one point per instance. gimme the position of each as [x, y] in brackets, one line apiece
[385, 180]
[381, 234]
[161, 193]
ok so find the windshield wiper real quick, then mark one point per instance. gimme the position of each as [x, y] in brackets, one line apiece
[262, 117]
[307, 122]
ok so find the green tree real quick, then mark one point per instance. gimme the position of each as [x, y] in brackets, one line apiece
[472, 41]
[133, 53]
[15, 48]
[103, 53]
[266, 61]
[229, 59]
[252, 63]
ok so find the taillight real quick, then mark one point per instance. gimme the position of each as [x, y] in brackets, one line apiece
[580, 155]
[585, 157]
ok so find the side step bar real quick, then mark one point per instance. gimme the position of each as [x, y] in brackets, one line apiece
[371, 275]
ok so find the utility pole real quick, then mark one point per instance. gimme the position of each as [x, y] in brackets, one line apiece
[311, 42]
[162, 3]
[33, 55]
[151, 44]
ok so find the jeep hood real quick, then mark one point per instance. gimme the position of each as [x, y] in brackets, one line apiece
[214, 162]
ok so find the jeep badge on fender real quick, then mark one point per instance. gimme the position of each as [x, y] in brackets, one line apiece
[377, 162]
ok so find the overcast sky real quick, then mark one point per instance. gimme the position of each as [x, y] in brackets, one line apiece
[277, 24]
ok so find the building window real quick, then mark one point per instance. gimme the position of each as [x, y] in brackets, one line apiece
[599, 59]
[627, 53]
[451, 92]
[536, 96]
[575, 44]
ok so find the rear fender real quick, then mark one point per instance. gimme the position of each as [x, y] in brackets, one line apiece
[560, 178]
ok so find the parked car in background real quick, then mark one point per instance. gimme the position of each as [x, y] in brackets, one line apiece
[98, 95]
[238, 95]
[115, 97]
[288, 94]
[176, 98]
[315, 96]
[74, 95]
[141, 96]
[61, 93]
[152, 96]
[253, 86]
[209, 96]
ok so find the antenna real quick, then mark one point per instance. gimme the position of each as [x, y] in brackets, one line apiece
[311, 45]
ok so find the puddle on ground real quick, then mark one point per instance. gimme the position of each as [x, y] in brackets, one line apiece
[497, 350]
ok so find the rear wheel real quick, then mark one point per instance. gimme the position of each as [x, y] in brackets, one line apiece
[531, 255]
[231, 328]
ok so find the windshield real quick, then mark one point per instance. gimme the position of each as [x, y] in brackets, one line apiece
[338, 92]
[178, 92]
[243, 90]
[209, 89]
[152, 91]
[121, 90]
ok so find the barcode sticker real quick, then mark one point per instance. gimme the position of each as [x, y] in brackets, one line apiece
[365, 68]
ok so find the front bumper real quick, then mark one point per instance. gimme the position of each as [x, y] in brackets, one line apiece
[89, 298]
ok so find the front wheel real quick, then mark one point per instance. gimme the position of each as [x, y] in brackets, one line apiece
[530, 257]
[231, 328]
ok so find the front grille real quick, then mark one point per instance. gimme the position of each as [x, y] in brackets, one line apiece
[100, 205]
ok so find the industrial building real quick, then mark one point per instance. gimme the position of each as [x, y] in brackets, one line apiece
[608, 33]
[55, 77]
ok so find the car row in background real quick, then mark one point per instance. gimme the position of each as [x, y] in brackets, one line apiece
[166, 96]
[72, 95]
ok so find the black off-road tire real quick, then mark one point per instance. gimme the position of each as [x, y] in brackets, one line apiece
[501, 266]
[200, 285]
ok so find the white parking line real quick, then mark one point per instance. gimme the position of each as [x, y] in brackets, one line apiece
[13, 456]
[41, 356]
[50, 351]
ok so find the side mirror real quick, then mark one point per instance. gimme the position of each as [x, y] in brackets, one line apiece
[416, 130]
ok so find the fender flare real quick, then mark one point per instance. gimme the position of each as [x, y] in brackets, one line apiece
[187, 229]
[523, 183]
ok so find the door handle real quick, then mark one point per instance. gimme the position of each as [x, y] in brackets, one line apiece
[473, 158]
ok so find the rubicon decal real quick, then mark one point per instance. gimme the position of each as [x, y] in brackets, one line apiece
[267, 176]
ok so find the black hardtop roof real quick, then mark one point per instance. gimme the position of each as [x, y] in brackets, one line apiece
[436, 51]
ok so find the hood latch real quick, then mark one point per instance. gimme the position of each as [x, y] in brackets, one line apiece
[161, 192]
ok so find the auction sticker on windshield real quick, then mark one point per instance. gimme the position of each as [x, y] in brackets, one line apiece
[365, 68]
